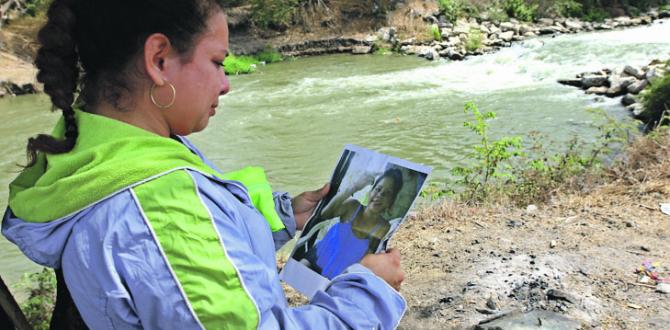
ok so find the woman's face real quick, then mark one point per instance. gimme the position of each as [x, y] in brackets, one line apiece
[382, 195]
[198, 80]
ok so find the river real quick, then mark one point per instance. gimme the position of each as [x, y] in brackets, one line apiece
[294, 117]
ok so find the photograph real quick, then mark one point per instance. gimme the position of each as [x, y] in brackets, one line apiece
[370, 194]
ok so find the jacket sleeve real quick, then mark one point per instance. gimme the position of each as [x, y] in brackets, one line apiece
[285, 211]
[357, 299]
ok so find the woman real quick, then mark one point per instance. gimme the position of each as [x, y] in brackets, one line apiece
[147, 232]
[361, 228]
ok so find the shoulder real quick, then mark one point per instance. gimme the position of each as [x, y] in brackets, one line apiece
[348, 208]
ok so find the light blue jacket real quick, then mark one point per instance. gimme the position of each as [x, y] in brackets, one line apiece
[121, 278]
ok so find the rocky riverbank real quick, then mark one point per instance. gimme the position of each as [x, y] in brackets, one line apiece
[466, 37]
[628, 82]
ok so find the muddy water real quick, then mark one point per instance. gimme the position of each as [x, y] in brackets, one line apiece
[293, 118]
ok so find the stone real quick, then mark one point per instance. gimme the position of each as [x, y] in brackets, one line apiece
[602, 26]
[525, 28]
[594, 81]
[387, 33]
[618, 85]
[573, 25]
[535, 319]
[637, 87]
[484, 29]
[663, 288]
[455, 55]
[553, 294]
[623, 21]
[634, 72]
[506, 36]
[597, 90]
[445, 33]
[530, 209]
[359, 50]
[454, 41]
[545, 21]
[552, 244]
[549, 30]
[628, 99]
[636, 110]
[529, 34]
[428, 53]
[646, 20]
[507, 26]
[462, 28]
[664, 14]
[494, 29]
[653, 74]
[571, 82]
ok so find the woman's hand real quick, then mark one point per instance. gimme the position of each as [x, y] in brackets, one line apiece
[304, 204]
[387, 266]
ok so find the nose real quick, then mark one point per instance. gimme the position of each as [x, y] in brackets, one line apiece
[225, 84]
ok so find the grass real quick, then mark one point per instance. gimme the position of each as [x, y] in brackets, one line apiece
[234, 65]
[474, 41]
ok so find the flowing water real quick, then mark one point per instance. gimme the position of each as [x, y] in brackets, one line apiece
[293, 118]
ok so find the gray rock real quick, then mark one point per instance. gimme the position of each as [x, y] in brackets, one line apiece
[628, 99]
[594, 81]
[508, 26]
[549, 30]
[529, 34]
[554, 294]
[623, 21]
[646, 20]
[573, 25]
[636, 109]
[428, 53]
[664, 14]
[462, 28]
[634, 72]
[387, 33]
[602, 26]
[536, 319]
[637, 87]
[663, 288]
[445, 33]
[653, 74]
[484, 29]
[597, 90]
[494, 29]
[506, 36]
[545, 21]
[618, 85]
[571, 82]
[525, 28]
[359, 50]
[454, 41]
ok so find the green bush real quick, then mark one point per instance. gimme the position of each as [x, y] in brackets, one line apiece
[434, 32]
[567, 8]
[521, 10]
[490, 157]
[474, 41]
[452, 9]
[276, 14]
[656, 101]
[269, 55]
[234, 65]
[39, 306]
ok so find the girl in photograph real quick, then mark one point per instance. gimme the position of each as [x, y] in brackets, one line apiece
[361, 228]
[145, 231]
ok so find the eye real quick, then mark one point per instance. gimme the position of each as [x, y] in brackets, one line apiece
[219, 63]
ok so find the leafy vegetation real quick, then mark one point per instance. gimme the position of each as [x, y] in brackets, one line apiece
[520, 9]
[656, 101]
[234, 65]
[452, 9]
[434, 32]
[522, 174]
[474, 41]
[269, 55]
[275, 14]
[41, 289]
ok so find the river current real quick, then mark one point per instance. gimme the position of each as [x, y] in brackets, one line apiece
[293, 118]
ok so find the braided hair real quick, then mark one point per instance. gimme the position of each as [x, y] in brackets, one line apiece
[90, 47]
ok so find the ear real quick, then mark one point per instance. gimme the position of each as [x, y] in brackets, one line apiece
[157, 47]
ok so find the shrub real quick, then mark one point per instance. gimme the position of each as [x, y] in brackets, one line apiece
[275, 14]
[656, 101]
[234, 65]
[490, 157]
[38, 307]
[474, 41]
[567, 8]
[520, 9]
[452, 9]
[434, 32]
[269, 55]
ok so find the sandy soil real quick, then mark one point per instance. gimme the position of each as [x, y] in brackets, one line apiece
[575, 256]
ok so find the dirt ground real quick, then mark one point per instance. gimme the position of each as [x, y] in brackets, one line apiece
[575, 256]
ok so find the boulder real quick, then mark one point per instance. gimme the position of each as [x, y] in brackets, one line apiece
[628, 99]
[593, 81]
[428, 53]
[484, 29]
[506, 36]
[494, 29]
[664, 14]
[637, 87]
[455, 55]
[361, 49]
[525, 28]
[387, 34]
[528, 320]
[545, 21]
[653, 74]
[445, 33]
[623, 21]
[634, 72]
[573, 25]
[646, 20]
[508, 26]
[529, 34]
[637, 110]
[602, 26]
[597, 90]
[454, 41]
[571, 82]
[618, 85]
[549, 29]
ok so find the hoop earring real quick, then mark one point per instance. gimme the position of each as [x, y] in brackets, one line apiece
[153, 98]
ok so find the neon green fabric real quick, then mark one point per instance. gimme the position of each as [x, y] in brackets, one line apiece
[189, 240]
[109, 156]
[261, 193]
